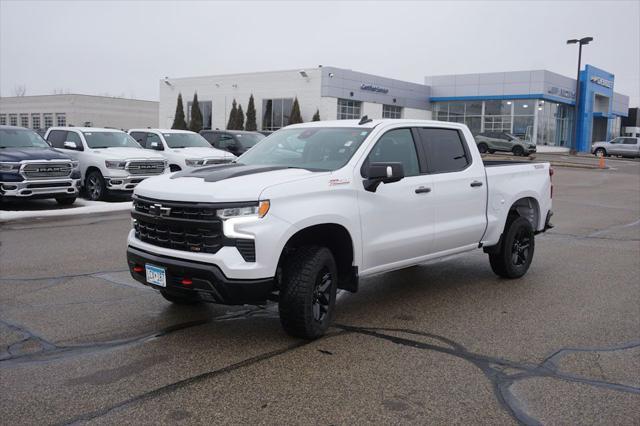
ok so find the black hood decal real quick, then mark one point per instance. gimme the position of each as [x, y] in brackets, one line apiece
[225, 171]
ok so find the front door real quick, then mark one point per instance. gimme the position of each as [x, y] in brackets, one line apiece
[398, 219]
[459, 189]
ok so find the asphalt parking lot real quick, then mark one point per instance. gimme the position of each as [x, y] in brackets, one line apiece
[446, 342]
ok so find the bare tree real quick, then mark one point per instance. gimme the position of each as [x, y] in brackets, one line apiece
[19, 90]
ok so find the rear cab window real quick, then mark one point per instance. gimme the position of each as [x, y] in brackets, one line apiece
[445, 149]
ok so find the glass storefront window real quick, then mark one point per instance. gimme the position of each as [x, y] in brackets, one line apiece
[497, 107]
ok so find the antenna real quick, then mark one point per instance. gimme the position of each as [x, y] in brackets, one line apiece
[364, 120]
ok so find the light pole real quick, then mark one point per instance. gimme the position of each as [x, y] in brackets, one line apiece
[580, 42]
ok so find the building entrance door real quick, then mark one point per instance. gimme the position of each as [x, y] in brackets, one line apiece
[599, 129]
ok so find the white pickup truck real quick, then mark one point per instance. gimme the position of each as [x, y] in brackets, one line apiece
[184, 150]
[316, 206]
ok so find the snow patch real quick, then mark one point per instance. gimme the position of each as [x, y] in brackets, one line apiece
[50, 209]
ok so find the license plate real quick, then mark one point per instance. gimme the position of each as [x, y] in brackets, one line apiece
[156, 275]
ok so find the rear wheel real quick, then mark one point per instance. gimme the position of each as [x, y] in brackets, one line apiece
[94, 184]
[66, 201]
[515, 254]
[492, 151]
[518, 151]
[179, 300]
[483, 148]
[308, 293]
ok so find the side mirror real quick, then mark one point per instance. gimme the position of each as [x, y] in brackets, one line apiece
[71, 145]
[377, 173]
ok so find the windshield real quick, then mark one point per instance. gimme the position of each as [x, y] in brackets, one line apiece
[185, 140]
[21, 138]
[110, 140]
[313, 148]
[249, 139]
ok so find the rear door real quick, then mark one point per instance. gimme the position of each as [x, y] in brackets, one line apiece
[397, 219]
[629, 147]
[459, 191]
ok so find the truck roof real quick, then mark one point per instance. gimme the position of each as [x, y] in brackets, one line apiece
[86, 129]
[370, 124]
[161, 130]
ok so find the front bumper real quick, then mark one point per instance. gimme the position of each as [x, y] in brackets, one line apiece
[532, 149]
[124, 183]
[208, 283]
[40, 188]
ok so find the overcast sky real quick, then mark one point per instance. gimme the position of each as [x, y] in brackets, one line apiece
[125, 48]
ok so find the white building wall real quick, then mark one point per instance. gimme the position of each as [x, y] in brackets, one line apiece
[328, 108]
[100, 111]
[416, 114]
[222, 90]
[371, 110]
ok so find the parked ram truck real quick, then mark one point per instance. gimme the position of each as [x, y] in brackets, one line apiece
[183, 150]
[317, 206]
[30, 168]
[110, 160]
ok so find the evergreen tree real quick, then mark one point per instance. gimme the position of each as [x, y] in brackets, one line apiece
[195, 124]
[240, 118]
[178, 120]
[251, 116]
[316, 116]
[232, 116]
[295, 116]
[266, 120]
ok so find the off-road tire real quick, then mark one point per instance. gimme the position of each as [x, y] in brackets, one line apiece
[302, 279]
[179, 300]
[503, 262]
[65, 201]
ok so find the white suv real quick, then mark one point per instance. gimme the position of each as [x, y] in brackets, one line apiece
[184, 150]
[110, 160]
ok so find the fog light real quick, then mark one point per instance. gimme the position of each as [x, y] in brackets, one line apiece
[116, 182]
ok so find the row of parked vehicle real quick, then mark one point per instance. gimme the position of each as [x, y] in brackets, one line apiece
[70, 159]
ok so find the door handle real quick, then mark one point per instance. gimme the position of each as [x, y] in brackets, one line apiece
[422, 190]
[476, 183]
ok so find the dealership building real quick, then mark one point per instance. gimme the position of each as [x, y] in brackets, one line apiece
[536, 105]
[44, 111]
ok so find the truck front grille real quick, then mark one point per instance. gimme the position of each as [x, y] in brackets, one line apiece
[47, 170]
[193, 227]
[146, 167]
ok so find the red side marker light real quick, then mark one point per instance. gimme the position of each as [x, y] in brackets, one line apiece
[186, 281]
[138, 269]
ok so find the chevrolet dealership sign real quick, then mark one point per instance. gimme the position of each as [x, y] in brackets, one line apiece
[602, 82]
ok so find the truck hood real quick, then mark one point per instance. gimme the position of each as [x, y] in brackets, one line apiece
[128, 154]
[20, 154]
[223, 183]
[202, 152]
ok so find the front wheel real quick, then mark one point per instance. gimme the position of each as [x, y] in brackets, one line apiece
[94, 184]
[600, 152]
[308, 293]
[518, 151]
[514, 257]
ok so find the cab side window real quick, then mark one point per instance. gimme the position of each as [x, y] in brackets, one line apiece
[140, 137]
[396, 146]
[74, 137]
[57, 138]
[154, 142]
[444, 149]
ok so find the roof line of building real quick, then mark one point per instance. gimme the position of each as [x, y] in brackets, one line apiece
[78, 94]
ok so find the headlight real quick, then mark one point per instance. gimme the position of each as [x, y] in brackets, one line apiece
[256, 211]
[9, 167]
[115, 164]
[194, 162]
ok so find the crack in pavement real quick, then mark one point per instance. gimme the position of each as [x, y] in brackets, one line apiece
[493, 367]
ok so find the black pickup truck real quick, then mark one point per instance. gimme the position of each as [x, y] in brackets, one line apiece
[30, 168]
